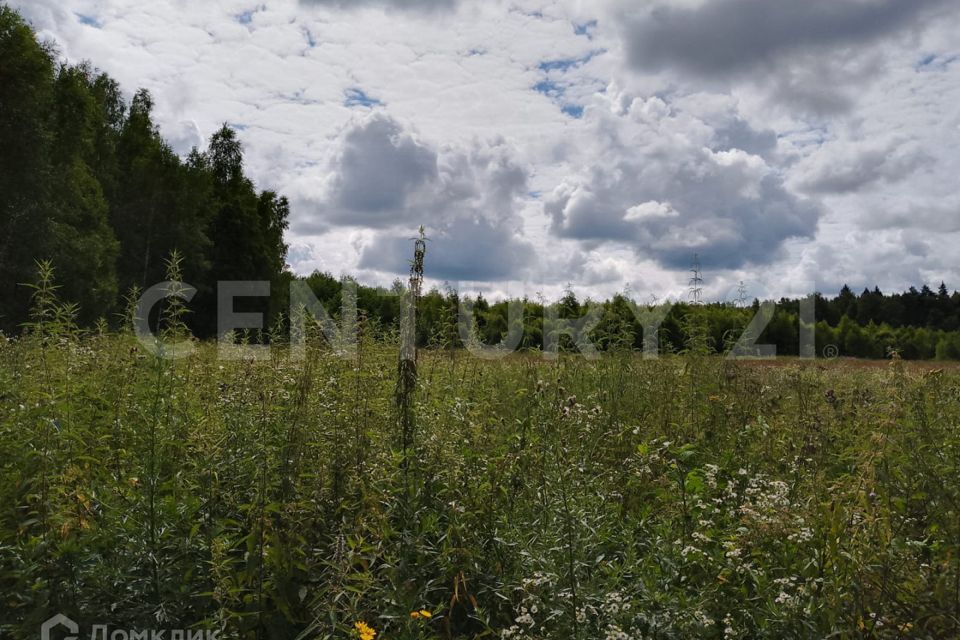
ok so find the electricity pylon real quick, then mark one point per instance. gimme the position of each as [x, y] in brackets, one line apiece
[696, 282]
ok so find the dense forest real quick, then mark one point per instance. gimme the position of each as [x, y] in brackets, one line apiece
[917, 324]
[88, 183]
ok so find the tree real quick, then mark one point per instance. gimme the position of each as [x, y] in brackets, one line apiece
[26, 93]
[846, 302]
[82, 244]
[869, 306]
[856, 343]
[948, 348]
[91, 184]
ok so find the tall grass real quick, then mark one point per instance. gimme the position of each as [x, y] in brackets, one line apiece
[683, 497]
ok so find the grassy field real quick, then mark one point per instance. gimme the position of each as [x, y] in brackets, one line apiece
[685, 497]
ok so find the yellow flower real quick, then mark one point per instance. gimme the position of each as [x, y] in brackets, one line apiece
[365, 631]
[414, 614]
[425, 614]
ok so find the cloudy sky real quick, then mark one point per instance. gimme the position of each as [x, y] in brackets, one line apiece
[599, 144]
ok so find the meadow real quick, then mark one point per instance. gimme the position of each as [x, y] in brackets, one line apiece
[689, 496]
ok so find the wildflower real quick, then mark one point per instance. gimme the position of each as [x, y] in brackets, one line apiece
[422, 613]
[728, 630]
[364, 631]
[84, 500]
[525, 619]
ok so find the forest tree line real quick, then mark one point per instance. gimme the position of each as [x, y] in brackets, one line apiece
[88, 183]
[920, 324]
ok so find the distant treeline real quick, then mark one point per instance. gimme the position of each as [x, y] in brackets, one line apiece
[917, 324]
[88, 183]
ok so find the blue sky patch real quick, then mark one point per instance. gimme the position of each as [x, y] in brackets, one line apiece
[246, 17]
[359, 98]
[934, 62]
[556, 83]
[549, 88]
[564, 64]
[585, 28]
[90, 21]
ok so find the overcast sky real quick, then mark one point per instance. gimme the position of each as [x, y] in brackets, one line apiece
[791, 144]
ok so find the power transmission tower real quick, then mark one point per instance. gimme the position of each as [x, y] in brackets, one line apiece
[741, 294]
[696, 282]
